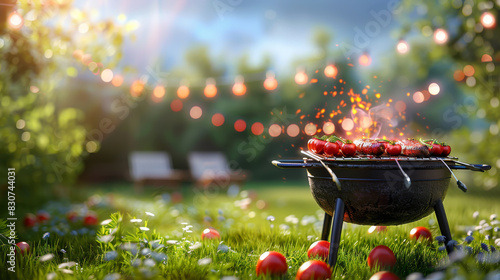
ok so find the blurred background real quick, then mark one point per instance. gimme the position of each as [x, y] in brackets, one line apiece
[84, 84]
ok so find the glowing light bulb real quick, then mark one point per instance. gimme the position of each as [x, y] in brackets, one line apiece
[488, 20]
[270, 82]
[440, 36]
[210, 88]
[239, 87]
[402, 47]
[183, 91]
[15, 20]
[331, 71]
[365, 59]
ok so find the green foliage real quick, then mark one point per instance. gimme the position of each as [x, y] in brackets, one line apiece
[42, 139]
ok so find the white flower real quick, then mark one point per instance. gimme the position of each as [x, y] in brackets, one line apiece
[105, 238]
[66, 265]
[475, 215]
[292, 219]
[493, 217]
[144, 228]
[66, 271]
[105, 222]
[47, 257]
[46, 235]
[150, 214]
[136, 220]
[195, 246]
[172, 242]
[270, 218]
[51, 276]
[205, 261]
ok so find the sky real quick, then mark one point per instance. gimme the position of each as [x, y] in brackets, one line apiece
[281, 29]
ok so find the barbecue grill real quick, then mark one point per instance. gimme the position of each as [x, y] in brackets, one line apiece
[378, 190]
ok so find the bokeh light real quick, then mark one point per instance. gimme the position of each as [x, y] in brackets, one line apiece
[257, 128]
[196, 112]
[270, 82]
[418, 97]
[331, 71]
[328, 128]
[347, 124]
[400, 106]
[434, 89]
[365, 122]
[183, 92]
[427, 94]
[91, 146]
[469, 70]
[459, 75]
[176, 105]
[301, 78]
[210, 88]
[275, 130]
[107, 75]
[486, 58]
[158, 93]
[310, 129]
[117, 80]
[218, 119]
[440, 36]
[402, 47]
[293, 130]
[365, 59]
[240, 125]
[15, 20]
[136, 88]
[488, 20]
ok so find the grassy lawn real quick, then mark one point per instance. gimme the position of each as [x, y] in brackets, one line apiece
[278, 216]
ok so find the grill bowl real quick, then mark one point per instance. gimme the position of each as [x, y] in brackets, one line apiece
[374, 192]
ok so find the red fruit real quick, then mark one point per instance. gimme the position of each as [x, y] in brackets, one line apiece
[90, 219]
[446, 151]
[436, 150]
[210, 233]
[272, 263]
[384, 275]
[30, 220]
[331, 149]
[319, 145]
[393, 149]
[349, 149]
[314, 270]
[421, 232]
[381, 256]
[319, 249]
[72, 216]
[310, 144]
[24, 247]
[377, 148]
[42, 216]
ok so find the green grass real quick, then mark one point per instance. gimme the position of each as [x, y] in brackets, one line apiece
[245, 230]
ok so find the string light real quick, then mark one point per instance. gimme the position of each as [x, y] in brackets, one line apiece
[240, 125]
[218, 119]
[301, 77]
[183, 90]
[275, 130]
[402, 47]
[239, 88]
[107, 75]
[293, 130]
[310, 129]
[331, 71]
[440, 36]
[210, 90]
[365, 59]
[434, 89]
[158, 93]
[136, 88]
[270, 82]
[329, 128]
[347, 124]
[15, 20]
[488, 20]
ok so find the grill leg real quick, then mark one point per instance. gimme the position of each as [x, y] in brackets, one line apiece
[327, 224]
[336, 232]
[443, 224]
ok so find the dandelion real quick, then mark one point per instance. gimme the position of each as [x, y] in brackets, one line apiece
[144, 228]
[469, 239]
[204, 261]
[46, 235]
[66, 265]
[105, 222]
[159, 257]
[136, 220]
[46, 257]
[110, 255]
[150, 214]
[149, 263]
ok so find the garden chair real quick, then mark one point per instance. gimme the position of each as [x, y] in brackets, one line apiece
[153, 168]
[212, 169]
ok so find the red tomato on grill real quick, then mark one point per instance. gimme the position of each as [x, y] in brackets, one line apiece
[349, 149]
[315, 270]
[271, 263]
[319, 146]
[310, 144]
[331, 149]
[393, 149]
[446, 151]
[436, 150]
[381, 256]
